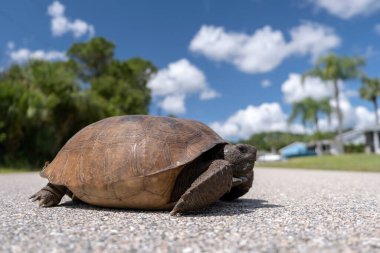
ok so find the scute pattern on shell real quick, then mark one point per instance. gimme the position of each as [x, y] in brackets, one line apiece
[122, 156]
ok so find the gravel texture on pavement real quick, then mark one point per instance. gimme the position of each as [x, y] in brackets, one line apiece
[285, 211]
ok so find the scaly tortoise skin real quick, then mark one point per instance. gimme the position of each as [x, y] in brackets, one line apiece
[148, 162]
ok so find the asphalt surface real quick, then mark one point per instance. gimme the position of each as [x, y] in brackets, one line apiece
[285, 211]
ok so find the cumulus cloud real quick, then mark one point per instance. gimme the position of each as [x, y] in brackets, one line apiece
[312, 39]
[266, 83]
[357, 117]
[23, 54]
[254, 119]
[269, 117]
[293, 90]
[173, 104]
[174, 83]
[348, 8]
[364, 117]
[354, 117]
[208, 94]
[266, 48]
[61, 25]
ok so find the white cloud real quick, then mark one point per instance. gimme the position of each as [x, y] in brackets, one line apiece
[348, 8]
[23, 54]
[351, 93]
[56, 9]
[357, 117]
[254, 119]
[313, 39]
[266, 83]
[208, 94]
[265, 49]
[294, 91]
[179, 79]
[364, 118]
[179, 76]
[353, 117]
[60, 24]
[173, 104]
[269, 117]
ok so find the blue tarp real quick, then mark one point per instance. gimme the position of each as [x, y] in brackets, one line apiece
[296, 149]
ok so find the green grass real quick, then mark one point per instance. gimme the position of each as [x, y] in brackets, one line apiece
[14, 170]
[350, 162]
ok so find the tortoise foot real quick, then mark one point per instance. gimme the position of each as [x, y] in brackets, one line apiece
[49, 196]
[240, 188]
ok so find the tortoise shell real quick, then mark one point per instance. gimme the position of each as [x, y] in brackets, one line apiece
[129, 161]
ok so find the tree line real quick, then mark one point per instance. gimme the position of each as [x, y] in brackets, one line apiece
[42, 103]
[273, 141]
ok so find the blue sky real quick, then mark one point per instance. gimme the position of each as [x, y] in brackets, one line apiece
[234, 65]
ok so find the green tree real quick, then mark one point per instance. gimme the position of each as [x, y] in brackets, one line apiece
[332, 69]
[370, 90]
[309, 111]
[273, 141]
[42, 104]
[37, 102]
[91, 58]
[121, 84]
[299, 110]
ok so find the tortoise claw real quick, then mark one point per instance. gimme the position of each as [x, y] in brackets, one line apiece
[47, 196]
[238, 180]
[177, 208]
[34, 197]
[46, 203]
[239, 189]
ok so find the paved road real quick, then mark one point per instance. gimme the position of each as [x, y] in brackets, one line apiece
[286, 211]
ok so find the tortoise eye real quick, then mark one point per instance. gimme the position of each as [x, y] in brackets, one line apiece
[242, 149]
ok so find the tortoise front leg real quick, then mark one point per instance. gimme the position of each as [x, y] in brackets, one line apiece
[208, 188]
[50, 195]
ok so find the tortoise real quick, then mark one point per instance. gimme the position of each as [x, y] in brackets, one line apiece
[148, 162]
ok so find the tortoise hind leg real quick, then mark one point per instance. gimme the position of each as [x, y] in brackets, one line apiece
[50, 195]
[207, 188]
[74, 198]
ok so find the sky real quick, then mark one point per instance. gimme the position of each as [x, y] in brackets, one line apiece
[234, 65]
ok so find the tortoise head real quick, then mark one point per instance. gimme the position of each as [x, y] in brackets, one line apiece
[242, 158]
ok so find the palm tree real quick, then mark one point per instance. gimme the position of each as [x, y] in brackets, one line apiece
[370, 90]
[325, 108]
[309, 110]
[334, 69]
[299, 110]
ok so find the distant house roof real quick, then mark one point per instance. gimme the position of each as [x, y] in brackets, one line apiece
[356, 136]
[372, 129]
[352, 135]
[361, 130]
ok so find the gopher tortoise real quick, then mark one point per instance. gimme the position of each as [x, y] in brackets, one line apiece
[148, 162]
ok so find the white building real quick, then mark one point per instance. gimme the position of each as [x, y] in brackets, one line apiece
[369, 137]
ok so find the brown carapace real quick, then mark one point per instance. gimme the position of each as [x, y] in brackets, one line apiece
[148, 162]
